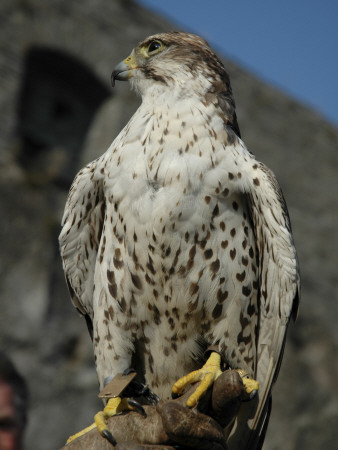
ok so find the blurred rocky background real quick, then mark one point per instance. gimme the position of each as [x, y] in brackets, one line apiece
[58, 112]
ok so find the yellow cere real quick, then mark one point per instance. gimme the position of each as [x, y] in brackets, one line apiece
[131, 62]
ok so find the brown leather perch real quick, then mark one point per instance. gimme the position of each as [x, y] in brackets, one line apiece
[172, 423]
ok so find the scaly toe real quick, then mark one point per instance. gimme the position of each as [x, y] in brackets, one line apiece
[81, 433]
[185, 381]
[114, 406]
[251, 386]
[207, 375]
[207, 381]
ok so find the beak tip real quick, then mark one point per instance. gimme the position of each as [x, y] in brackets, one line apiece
[112, 79]
[121, 72]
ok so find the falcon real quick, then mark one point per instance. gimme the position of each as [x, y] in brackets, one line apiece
[176, 242]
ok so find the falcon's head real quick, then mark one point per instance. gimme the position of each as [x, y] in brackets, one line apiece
[179, 63]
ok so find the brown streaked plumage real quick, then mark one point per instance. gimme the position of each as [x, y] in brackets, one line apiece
[177, 239]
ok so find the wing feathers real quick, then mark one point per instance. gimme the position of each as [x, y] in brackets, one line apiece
[279, 289]
[81, 233]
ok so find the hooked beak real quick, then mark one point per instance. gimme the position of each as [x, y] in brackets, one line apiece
[123, 71]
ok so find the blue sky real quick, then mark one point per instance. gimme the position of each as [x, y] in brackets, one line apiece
[292, 44]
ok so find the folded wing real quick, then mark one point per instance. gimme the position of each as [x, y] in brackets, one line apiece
[278, 295]
[81, 234]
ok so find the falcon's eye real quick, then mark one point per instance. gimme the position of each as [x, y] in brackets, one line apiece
[154, 46]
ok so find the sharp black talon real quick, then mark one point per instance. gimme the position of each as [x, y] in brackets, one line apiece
[148, 394]
[107, 434]
[136, 389]
[136, 405]
[152, 397]
[252, 394]
[174, 395]
[248, 397]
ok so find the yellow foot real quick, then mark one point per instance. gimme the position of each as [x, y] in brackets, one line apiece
[207, 375]
[114, 406]
[251, 385]
[81, 433]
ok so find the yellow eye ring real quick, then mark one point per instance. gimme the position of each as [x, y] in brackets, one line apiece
[154, 47]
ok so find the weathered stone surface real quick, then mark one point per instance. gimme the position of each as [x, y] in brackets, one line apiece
[46, 114]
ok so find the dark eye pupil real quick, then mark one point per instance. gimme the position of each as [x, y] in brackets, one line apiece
[153, 46]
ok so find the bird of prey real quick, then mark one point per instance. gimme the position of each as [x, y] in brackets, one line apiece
[176, 242]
